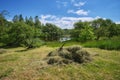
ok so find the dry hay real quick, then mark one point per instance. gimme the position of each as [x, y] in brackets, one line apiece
[68, 55]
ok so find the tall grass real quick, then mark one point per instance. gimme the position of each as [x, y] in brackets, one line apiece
[104, 44]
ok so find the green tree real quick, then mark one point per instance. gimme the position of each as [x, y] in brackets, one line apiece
[15, 18]
[51, 32]
[30, 21]
[22, 34]
[86, 34]
[82, 31]
[113, 30]
[37, 22]
[4, 27]
[21, 19]
[101, 27]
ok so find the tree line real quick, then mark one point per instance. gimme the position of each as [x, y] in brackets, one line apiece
[30, 32]
[95, 30]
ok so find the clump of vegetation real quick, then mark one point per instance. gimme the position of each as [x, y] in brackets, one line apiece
[68, 55]
[2, 51]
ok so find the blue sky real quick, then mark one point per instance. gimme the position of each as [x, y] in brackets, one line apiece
[63, 12]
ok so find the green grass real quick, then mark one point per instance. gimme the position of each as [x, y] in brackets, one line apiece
[18, 64]
[58, 44]
[104, 44]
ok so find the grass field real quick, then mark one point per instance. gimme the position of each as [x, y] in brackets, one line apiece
[21, 64]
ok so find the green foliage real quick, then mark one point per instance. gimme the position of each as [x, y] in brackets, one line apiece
[19, 32]
[4, 28]
[51, 32]
[105, 28]
[83, 32]
[87, 34]
[37, 22]
[30, 31]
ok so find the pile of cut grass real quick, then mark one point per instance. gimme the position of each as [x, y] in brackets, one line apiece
[68, 55]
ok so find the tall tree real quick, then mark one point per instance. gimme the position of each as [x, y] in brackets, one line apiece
[21, 19]
[101, 27]
[30, 21]
[4, 27]
[51, 32]
[15, 18]
[37, 22]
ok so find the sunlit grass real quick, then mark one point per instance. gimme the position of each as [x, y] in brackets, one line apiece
[21, 64]
[104, 44]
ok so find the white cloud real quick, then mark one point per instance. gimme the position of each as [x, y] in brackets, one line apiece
[79, 12]
[64, 22]
[79, 4]
[61, 4]
[118, 22]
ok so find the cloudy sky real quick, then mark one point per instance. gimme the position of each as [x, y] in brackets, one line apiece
[63, 13]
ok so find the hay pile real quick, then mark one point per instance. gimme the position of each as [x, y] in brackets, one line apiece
[68, 55]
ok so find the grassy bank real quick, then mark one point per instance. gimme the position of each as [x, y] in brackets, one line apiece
[21, 64]
[104, 44]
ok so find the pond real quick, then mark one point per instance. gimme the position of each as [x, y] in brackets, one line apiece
[64, 39]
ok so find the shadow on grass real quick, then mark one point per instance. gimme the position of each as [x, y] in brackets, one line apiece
[23, 50]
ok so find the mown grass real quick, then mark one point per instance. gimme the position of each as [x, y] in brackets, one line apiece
[19, 64]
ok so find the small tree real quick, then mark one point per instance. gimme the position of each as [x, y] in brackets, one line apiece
[86, 34]
[83, 31]
[51, 32]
